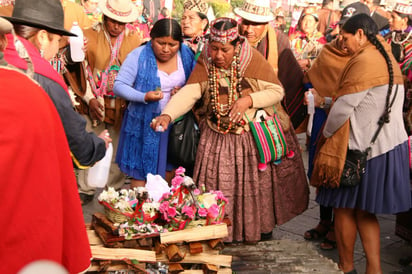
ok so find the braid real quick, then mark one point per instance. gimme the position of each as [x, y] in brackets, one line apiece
[372, 38]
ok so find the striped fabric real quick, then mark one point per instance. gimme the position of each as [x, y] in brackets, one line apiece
[270, 139]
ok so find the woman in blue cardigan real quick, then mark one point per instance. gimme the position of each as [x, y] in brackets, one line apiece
[149, 76]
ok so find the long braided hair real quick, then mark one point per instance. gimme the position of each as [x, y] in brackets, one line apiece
[370, 29]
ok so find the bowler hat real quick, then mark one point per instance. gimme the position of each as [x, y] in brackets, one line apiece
[42, 14]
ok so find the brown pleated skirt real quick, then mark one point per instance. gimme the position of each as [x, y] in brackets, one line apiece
[257, 200]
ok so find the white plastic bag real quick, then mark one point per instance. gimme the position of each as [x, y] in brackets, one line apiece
[156, 186]
[99, 173]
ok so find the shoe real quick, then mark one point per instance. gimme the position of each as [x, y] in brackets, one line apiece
[329, 243]
[266, 236]
[85, 198]
[318, 232]
[353, 271]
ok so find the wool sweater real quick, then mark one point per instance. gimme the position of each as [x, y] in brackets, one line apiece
[364, 109]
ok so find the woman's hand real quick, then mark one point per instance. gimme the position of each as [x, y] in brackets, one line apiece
[316, 98]
[106, 137]
[304, 64]
[161, 123]
[153, 96]
[174, 91]
[239, 108]
[96, 109]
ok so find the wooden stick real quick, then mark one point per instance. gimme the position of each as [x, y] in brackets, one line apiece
[99, 252]
[195, 234]
[195, 247]
[173, 253]
[216, 244]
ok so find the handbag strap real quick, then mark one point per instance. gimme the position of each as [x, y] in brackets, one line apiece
[274, 112]
[383, 119]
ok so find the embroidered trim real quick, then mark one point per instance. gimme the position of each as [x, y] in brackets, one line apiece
[118, 13]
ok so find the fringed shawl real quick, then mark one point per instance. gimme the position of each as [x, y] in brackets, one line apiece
[145, 150]
[366, 69]
[325, 71]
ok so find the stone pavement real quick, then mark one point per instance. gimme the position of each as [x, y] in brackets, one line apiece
[288, 252]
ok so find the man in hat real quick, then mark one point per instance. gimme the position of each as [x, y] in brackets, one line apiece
[109, 42]
[45, 201]
[194, 23]
[275, 47]
[86, 148]
[381, 21]
[328, 17]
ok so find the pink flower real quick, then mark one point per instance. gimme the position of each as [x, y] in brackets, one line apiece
[213, 211]
[180, 171]
[164, 206]
[220, 196]
[177, 181]
[171, 212]
[188, 210]
[196, 191]
[166, 196]
[202, 212]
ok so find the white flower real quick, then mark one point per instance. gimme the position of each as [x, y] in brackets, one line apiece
[208, 199]
[123, 205]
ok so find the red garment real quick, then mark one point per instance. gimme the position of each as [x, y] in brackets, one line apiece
[41, 66]
[41, 216]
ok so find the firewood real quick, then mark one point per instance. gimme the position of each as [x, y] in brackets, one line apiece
[195, 247]
[216, 244]
[210, 269]
[195, 234]
[158, 247]
[173, 253]
[175, 268]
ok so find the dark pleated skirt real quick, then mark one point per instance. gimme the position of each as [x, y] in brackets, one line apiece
[384, 189]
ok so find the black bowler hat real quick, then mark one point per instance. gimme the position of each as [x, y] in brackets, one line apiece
[42, 14]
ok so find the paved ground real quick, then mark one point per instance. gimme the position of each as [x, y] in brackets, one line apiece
[288, 252]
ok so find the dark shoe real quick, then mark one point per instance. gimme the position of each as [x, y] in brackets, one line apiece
[266, 236]
[318, 232]
[85, 198]
[353, 271]
[329, 243]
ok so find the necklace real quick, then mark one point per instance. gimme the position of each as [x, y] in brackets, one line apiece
[234, 92]
[400, 42]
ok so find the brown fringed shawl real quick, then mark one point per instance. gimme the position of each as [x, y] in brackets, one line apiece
[366, 69]
[328, 66]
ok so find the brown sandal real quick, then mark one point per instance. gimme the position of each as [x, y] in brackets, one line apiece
[329, 243]
[318, 232]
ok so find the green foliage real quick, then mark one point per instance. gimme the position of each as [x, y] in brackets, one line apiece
[177, 9]
[220, 7]
[236, 3]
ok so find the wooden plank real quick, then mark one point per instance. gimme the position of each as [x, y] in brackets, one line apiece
[195, 234]
[93, 238]
[201, 258]
[99, 252]
[115, 265]
[221, 271]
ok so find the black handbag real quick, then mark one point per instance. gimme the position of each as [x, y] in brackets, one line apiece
[355, 167]
[355, 163]
[183, 140]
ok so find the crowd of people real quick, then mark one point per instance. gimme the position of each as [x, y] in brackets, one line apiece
[144, 69]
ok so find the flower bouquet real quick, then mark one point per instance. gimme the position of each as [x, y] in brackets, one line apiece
[129, 205]
[186, 206]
